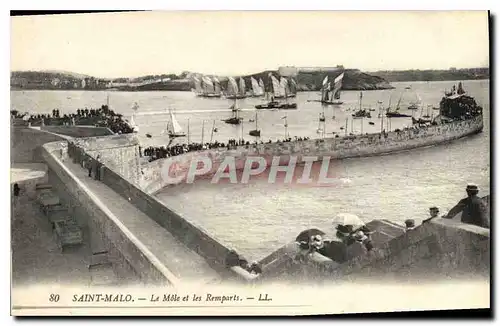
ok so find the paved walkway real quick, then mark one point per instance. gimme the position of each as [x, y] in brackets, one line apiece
[36, 259]
[182, 262]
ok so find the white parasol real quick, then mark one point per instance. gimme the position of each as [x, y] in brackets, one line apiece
[348, 219]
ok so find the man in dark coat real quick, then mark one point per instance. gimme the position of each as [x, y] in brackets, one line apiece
[474, 209]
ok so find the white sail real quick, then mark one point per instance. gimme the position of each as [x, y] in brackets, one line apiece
[284, 88]
[255, 86]
[208, 85]
[261, 85]
[197, 86]
[242, 86]
[325, 81]
[232, 86]
[337, 85]
[293, 86]
[217, 88]
[176, 127]
[276, 86]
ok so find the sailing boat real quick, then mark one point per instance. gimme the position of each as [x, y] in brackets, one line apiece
[256, 131]
[284, 88]
[286, 106]
[361, 113]
[217, 88]
[395, 113]
[414, 105]
[133, 124]
[235, 119]
[423, 118]
[233, 91]
[174, 129]
[330, 94]
[275, 88]
[257, 90]
[207, 87]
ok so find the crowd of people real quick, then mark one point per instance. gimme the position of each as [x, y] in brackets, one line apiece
[155, 153]
[102, 117]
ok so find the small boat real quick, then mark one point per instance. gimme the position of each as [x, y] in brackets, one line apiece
[413, 106]
[371, 123]
[362, 114]
[322, 117]
[256, 131]
[269, 105]
[148, 135]
[420, 121]
[395, 114]
[408, 87]
[174, 129]
[276, 105]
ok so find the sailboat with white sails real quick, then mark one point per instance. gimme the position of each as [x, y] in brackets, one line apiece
[174, 129]
[132, 122]
[330, 92]
[207, 87]
[257, 87]
[235, 90]
[280, 89]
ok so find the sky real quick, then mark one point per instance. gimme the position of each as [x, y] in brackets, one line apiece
[111, 45]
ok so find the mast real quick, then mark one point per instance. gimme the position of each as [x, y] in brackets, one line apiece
[360, 100]
[256, 128]
[286, 125]
[362, 119]
[346, 119]
[381, 123]
[242, 135]
[188, 133]
[212, 135]
[202, 131]
[352, 125]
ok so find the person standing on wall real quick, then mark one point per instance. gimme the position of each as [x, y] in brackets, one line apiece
[98, 167]
[474, 209]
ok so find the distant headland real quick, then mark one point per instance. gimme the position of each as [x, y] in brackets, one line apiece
[308, 79]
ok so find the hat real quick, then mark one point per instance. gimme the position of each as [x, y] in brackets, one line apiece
[472, 186]
[359, 236]
[410, 223]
